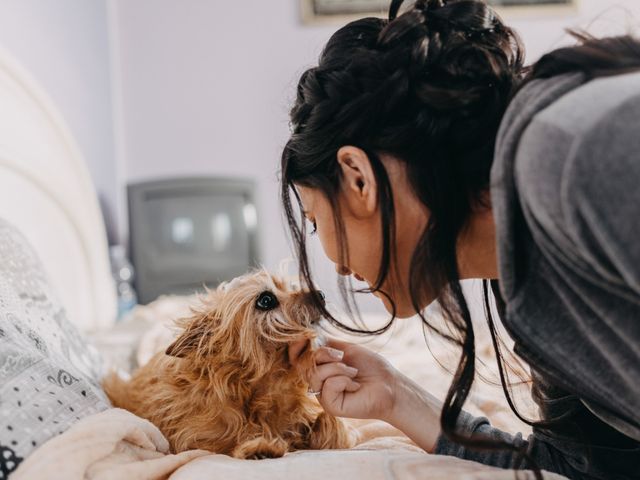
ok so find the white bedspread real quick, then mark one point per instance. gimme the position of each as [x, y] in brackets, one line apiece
[118, 445]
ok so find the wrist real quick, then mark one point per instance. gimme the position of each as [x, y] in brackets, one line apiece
[406, 394]
[415, 412]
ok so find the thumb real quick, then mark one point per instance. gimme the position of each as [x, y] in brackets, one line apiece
[333, 391]
[338, 344]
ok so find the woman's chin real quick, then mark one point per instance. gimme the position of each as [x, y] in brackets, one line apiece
[401, 311]
[405, 313]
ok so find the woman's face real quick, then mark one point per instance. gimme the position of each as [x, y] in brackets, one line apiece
[361, 217]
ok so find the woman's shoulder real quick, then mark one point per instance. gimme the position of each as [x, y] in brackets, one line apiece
[581, 109]
[586, 127]
[566, 163]
[583, 147]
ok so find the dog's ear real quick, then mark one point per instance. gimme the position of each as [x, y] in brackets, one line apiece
[182, 345]
[194, 336]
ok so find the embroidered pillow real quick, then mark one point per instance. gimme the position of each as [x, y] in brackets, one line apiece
[48, 373]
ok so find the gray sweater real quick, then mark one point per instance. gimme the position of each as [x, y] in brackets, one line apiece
[565, 189]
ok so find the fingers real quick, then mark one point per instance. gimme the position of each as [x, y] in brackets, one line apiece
[352, 386]
[328, 354]
[327, 371]
[338, 344]
[323, 354]
[333, 392]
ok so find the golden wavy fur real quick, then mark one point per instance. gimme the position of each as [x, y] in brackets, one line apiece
[226, 383]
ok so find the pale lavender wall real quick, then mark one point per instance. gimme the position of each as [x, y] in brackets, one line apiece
[205, 87]
[64, 45]
[205, 90]
[198, 86]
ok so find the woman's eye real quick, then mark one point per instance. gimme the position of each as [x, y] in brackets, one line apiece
[266, 301]
[315, 228]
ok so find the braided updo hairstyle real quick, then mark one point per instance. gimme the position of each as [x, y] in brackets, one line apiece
[428, 86]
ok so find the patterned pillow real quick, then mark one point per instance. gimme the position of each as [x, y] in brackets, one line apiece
[48, 373]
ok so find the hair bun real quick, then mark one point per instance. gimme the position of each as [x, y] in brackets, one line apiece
[424, 6]
[458, 54]
[473, 18]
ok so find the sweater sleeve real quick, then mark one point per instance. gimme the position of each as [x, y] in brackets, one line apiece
[545, 456]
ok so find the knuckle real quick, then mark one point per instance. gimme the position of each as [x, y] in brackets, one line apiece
[335, 383]
[322, 356]
[329, 369]
[330, 383]
[349, 370]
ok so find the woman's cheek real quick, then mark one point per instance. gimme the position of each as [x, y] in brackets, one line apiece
[329, 243]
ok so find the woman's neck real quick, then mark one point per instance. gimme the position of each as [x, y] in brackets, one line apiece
[476, 247]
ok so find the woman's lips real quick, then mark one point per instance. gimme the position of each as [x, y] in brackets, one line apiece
[358, 277]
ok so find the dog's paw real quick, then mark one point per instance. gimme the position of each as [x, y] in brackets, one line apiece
[261, 447]
[331, 432]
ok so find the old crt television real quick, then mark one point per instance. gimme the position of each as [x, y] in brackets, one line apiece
[188, 232]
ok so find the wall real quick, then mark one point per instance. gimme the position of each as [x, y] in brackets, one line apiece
[205, 87]
[601, 17]
[64, 45]
[201, 86]
[198, 86]
[205, 90]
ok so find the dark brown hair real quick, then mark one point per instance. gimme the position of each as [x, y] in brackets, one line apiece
[428, 86]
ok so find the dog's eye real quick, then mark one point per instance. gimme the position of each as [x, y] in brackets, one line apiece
[266, 301]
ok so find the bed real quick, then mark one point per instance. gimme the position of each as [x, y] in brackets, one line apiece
[47, 195]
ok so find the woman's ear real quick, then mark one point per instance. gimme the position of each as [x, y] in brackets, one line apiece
[358, 181]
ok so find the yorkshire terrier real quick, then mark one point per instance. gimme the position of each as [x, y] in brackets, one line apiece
[226, 383]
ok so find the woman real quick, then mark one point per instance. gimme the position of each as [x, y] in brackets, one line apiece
[424, 153]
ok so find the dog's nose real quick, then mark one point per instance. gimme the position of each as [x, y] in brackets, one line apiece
[316, 295]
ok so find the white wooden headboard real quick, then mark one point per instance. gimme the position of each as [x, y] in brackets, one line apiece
[46, 191]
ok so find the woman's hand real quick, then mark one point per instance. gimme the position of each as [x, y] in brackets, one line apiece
[356, 382]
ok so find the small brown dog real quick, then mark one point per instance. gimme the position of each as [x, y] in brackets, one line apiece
[226, 384]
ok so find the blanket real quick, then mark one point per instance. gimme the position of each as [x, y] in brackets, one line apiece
[113, 444]
[117, 444]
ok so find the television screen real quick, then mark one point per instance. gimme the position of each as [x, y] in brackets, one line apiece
[186, 233]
